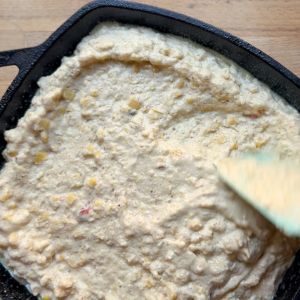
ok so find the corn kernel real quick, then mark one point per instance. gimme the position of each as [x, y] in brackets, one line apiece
[32, 210]
[12, 153]
[180, 84]
[84, 102]
[41, 260]
[226, 75]
[44, 216]
[91, 151]
[221, 139]
[215, 125]
[21, 218]
[190, 101]
[134, 103]
[253, 89]
[8, 216]
[66, 283]
[166, 52]
[195, 84]
[175, 152]
[62, 110]
[173, 296]
[232, 121]
[44, 124]
[224, 98]
[178, 94]
[13, 239]
[176, 54]
[68, 94]
[149, 284]
[94, 93]
[100, 135]
[234, 146]
[98, 202]
[44, 137]
[104, 45]
[194, 224]
[46, 298]
[76, 180]
[260, 143]
[91, 181]
[71, 198]
[12, 205]
[97, 154]
[5, 195]
[145, 134]
[55, 198]
[60, 257]
[78, 234]
[90, 148]
[40, 157]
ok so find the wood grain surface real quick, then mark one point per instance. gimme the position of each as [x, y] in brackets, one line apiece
[271, 25]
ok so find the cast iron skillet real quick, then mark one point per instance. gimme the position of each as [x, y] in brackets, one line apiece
[45, 58]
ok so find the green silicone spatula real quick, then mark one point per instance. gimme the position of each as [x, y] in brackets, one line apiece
[270, 185]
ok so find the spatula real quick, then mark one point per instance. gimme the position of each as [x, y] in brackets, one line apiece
[270, 185]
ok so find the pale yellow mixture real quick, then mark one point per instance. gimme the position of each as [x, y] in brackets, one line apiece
[110, 190]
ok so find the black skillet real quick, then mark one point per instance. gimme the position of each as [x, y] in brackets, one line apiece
[45, 58]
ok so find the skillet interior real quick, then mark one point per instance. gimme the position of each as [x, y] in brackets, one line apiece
[44, 59]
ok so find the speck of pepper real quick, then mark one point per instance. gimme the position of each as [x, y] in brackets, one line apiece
[161, 167]
[132, 113]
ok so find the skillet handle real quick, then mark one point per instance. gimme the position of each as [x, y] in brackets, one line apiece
[21, 58]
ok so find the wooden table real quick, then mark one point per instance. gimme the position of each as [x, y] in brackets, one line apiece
[271, 25]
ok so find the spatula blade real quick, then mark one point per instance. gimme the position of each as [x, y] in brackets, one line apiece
[271, 186]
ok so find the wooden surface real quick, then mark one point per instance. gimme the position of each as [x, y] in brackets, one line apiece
[271, 25]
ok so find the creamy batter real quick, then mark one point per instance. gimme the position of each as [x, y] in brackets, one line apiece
[110, 190]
